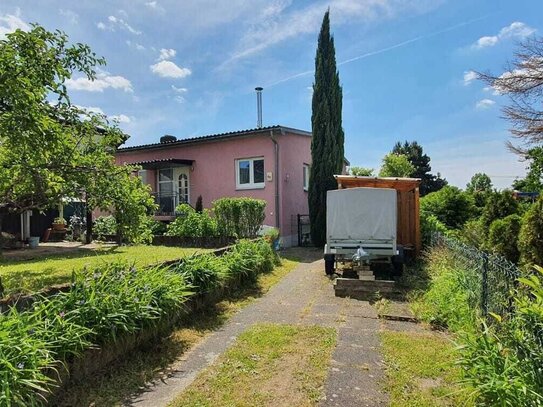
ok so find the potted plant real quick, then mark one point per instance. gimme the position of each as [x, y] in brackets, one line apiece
[59, 224]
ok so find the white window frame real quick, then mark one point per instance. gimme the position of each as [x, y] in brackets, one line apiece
[305, 176]
[251, 184]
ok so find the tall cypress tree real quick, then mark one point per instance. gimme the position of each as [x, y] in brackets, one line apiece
[327, 151]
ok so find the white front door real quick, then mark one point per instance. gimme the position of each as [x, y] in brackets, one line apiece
[183, 185]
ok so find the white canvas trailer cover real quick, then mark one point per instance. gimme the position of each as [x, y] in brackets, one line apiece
[361, 215]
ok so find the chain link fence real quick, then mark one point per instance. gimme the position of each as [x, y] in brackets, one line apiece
[492, 277]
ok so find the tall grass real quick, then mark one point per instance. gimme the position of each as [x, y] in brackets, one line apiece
[453, 294]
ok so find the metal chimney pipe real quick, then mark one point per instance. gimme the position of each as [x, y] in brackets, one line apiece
[259, 107]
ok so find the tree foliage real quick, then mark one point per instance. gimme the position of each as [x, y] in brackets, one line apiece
[531, 235]
[533, 182]
[503, 237]
[327, 150]
[49, 148]
[480, 182]
[421, 162]
[362, 171]
[449, 205]
[396, 165]
[498, 205]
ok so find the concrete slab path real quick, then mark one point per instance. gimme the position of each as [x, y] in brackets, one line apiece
[304, 296]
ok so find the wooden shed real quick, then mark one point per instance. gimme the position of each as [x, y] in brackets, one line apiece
[408, 232]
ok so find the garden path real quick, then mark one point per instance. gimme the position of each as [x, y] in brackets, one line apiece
[304, 296]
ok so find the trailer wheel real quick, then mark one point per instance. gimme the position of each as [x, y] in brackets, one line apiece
[329, 260]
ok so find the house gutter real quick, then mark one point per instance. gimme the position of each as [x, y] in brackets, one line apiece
[277, 200]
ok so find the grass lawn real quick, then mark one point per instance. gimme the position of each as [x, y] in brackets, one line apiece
[31, 275]
[421, 370]
[119, 381]
[268, 365]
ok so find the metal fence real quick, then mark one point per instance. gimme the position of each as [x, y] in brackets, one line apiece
[304, 230]
[490, 279]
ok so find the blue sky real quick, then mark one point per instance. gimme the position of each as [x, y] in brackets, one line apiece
[189, 68]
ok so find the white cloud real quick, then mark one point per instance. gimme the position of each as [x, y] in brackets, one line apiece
[113, 23]
[168, 69]
[179, 99]
[179, 90]
[484, 104]
[469, 76]
[91, 109]
[278, 22]
[514, 30]
[11, 22]
[103, 81]
[121, 118]
[166, 53]
[70, 15]
[139, 47]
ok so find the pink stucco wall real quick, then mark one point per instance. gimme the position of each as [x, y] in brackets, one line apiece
[294, 152]
[214, 173]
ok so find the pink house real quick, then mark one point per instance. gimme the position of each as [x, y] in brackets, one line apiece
[270, 163]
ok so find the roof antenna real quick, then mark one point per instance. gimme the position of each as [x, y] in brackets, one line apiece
[259, 107]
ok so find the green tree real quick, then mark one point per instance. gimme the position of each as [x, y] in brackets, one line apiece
[531, 235]
[480, 182]
[362, 171]
[449, 205]
[327, 150]
[498, 205]
[396, 165]
[533, 182]
[50, 149]
[503, 237]
[421, 161]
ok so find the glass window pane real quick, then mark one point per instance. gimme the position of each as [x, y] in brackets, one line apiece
[165, 188]
[305, 176]
[243, 172]
[165, 174]
[258, 171]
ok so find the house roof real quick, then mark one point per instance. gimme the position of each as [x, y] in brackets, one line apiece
[159, 163]
[212, 137]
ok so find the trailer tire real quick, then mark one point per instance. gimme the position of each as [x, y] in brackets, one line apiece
[329, 260]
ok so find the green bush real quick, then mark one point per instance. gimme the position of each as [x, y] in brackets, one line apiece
[503, 237]
[498, 205]
[430, 224]
[449, 205]
[531, 235]
[504, 363]
[472, 233]
[193, 224]
[239, 217]
[250, 258]
[105, 226]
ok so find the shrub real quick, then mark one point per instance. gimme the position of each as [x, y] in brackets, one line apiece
[504, 362]
[531, 235]
[449, 205]
[193, 224]
[503, 237]
[239, 217]
[498, 205]
[430, 224]
[473, 233]
[250, 258]
[104, 226]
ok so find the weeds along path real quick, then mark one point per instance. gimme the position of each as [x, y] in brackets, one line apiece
[306, 297]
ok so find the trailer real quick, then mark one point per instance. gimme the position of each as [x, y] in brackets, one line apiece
[371, 220]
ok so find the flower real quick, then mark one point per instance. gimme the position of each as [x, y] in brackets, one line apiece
[61, 314]
[96, 275]
[20, 365]
[81, 302]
